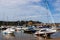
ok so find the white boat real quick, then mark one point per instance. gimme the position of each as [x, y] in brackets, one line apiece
[45, 31]
[3, 28]
[18, 28]
[8, 30]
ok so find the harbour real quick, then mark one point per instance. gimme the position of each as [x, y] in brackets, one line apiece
[29, 20]
[21, 35]
[26, 36]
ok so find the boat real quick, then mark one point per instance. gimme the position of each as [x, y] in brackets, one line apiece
[3, 28]
[18, 28]
[30, 30]
[45, 32]
[8, 31]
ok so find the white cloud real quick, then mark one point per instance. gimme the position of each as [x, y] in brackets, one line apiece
[11, 2]
[21, 9]
[35, 0]
[15, 2]
[28, 11]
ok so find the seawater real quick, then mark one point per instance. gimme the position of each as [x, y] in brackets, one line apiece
[20, 35]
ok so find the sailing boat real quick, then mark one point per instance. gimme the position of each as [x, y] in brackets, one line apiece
[8, 30]
[18, 28]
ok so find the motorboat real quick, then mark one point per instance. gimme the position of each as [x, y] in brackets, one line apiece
[45, 31]
[18, 28]
[8, 31]
[3, 28]
[30, 30]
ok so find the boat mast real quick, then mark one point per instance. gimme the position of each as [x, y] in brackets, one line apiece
[47, 5]
[3, 18]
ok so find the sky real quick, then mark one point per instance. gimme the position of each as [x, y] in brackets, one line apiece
[37, 10]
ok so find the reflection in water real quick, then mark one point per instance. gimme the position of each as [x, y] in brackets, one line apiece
[42, 37]
[20, 35]
[8, 36]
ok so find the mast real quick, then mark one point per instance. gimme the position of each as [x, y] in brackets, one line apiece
[47, 5]
[3, 20]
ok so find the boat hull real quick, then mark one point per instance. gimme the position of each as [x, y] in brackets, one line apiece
[29, 31]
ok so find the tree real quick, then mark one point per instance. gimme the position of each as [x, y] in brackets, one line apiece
[30, 23]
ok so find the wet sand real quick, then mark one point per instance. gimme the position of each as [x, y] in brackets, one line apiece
[25, 36]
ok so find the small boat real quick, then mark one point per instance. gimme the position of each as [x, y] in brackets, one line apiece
[18, 28]
[8, 31]
[30, 30]
[3, 28]
[45, 32]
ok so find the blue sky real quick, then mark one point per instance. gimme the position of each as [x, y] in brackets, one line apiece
[37, 10]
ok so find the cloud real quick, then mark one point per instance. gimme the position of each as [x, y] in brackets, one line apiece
[23, 11]
[26, 10]
[54, 7]
[16, 2]
[11, 2]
